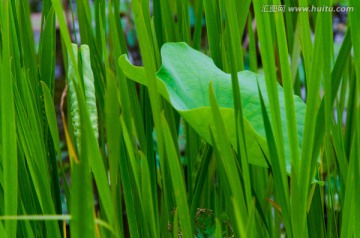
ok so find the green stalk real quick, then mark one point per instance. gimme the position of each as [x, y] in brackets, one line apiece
[354, 17]
[213, 31]
[8, 129]
[252, 45]
[313, 104]
[305, 37]
[267, 54]
[198, 25]
[229, 174]
[147, 49]
[288, 91]
[237, 64]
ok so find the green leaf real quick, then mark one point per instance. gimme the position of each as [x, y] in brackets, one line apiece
[112, 120]
[89, 88]
[74, 105]
[184, 79]
[9, 156]
[277, 169]
[48, 52]
[177, 180]
[228, 167]
[51, 118]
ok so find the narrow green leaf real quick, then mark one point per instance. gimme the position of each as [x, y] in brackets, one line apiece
[265, 32]
[213, 31]
[278, 170]
[228, 162]
[177, 180]
[288, 91]
[112, 120]
[8, 128]
[51, 118]
[48, 52]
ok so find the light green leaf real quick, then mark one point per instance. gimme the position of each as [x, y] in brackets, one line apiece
[88, 89]
[74, 105]
[184, 79]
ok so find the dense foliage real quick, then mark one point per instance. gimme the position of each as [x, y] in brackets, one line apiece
[238, 123]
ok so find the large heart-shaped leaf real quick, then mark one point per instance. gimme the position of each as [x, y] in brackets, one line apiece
[184, 80]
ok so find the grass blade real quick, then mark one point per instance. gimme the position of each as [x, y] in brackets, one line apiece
[177, 182]
[8, 128]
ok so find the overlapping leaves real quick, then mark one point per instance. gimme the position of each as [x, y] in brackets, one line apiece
[184, 80]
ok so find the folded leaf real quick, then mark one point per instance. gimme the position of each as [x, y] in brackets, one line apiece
[88, 90]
